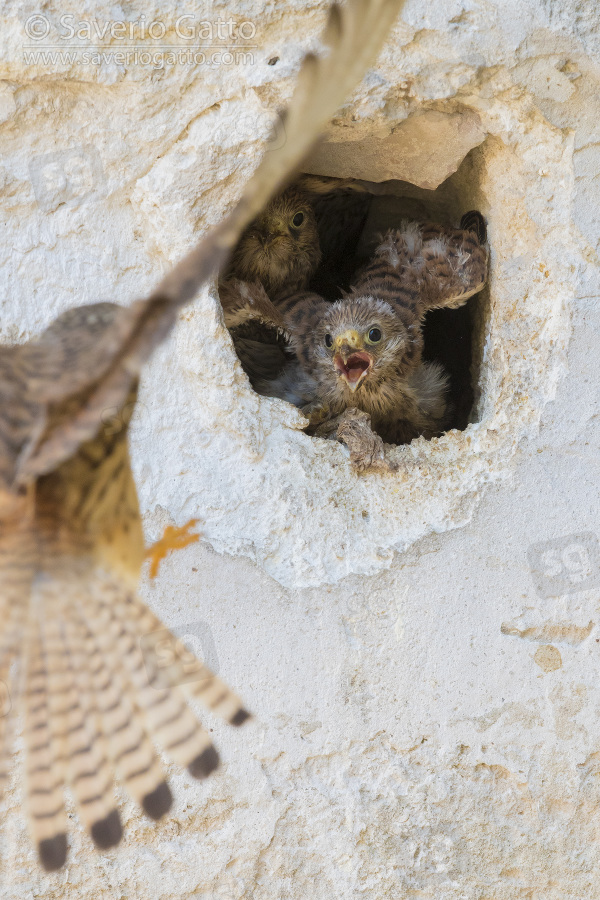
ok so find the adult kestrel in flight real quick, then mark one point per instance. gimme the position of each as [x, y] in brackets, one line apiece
[103, 679]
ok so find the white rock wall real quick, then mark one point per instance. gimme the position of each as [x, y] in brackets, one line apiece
[420, 651]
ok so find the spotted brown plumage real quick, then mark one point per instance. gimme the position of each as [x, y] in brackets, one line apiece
[104, 680]
[365, 351]
[280, 248]
[71, 549]
[305, 235]
[280, 252]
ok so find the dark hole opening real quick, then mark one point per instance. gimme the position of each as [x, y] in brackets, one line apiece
[348, 234]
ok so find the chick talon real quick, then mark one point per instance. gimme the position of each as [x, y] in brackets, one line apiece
[367, 450]
[174, 538]
[317, 414]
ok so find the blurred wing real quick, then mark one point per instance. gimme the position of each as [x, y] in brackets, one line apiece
[354, 35]
[82, 366]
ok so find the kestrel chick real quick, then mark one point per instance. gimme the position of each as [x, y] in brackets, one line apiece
[280, 249]
[365, 351]
[359, 353]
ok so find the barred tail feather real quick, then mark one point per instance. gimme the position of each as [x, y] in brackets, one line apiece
[167, 716]
[45, 771]
[171, 663]
[131, 751]
[159, 697]
[97, 697]
[90, 775]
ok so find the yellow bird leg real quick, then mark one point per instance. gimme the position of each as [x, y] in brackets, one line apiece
[174, 538]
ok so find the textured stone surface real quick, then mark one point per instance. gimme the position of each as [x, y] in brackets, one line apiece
[425, 688]
[425, 149]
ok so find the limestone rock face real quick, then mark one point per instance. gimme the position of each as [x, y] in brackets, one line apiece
[420, 650]
[425, 149]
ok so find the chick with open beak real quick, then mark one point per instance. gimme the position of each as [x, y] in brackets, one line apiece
[351, 359]
[365, 351]
[363, 354]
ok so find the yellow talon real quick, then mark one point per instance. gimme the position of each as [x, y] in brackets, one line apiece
[174, 538]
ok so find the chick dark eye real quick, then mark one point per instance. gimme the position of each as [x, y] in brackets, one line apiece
[374, 335]
[298, 220]
[328, 340]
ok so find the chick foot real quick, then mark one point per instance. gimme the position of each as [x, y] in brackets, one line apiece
[367, 450]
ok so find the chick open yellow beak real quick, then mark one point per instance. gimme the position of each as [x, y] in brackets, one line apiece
[351, 360]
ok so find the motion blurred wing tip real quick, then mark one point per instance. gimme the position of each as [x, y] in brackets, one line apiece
[108, 831]
[53, 852]
[204, 764]
[158, 802]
